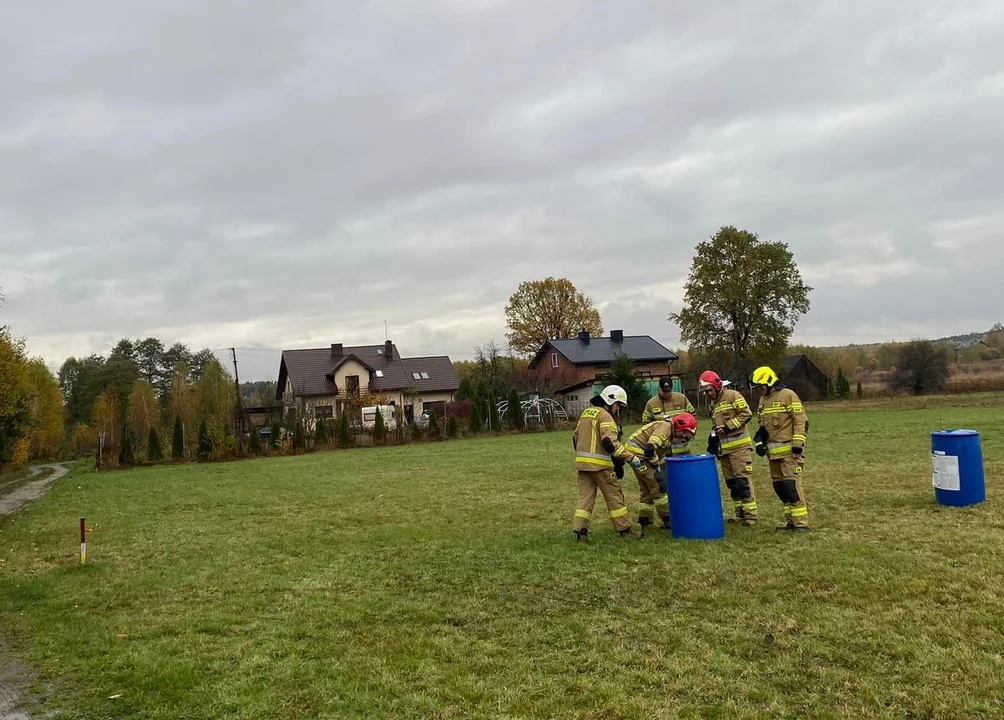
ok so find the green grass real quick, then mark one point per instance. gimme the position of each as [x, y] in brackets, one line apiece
[442, 581]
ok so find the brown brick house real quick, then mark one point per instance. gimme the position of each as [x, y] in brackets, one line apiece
[327, 379]
[572, 370]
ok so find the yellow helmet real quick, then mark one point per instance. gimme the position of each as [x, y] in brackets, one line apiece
[764, 376]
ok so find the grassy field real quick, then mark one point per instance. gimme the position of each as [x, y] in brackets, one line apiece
[442, 581]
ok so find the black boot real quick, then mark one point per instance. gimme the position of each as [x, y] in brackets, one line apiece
[581, 534]
[644, 522]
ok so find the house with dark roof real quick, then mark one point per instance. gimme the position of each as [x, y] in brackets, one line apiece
[330, 380]
[804, 377]
[574, 369]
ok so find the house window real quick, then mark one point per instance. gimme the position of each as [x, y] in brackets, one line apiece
[425, 376]
[352, 385]
[416, 376]
[554, 360]
[322, 412]
[379, 373]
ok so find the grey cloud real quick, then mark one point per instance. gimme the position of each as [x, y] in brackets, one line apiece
[296, 173]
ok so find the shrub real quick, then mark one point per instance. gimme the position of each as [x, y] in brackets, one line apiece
[126, 451]
[274, 433]
[860, 393]
[474, 421]
[254, 441]
[205, 442]
[842, 388]
[516, 420]
[299, 436]
[344, 433]
[434, 431]
[921, 368]
[452, 427]
[178, 441]
[379, 429]
[320, 433]
[154, 452]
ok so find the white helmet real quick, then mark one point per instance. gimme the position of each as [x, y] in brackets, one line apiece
[614, 394]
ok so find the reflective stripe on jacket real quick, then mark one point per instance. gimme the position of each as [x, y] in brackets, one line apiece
[594, 424]
[657, 409]
[732, 411]
[781, 413]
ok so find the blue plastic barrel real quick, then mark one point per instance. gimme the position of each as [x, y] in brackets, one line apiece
[695, 498]
[957, 467]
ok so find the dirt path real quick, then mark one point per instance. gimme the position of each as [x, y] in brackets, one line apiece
[15, 676]
[16, 494]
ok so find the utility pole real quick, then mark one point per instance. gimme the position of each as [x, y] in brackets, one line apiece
[241, 418]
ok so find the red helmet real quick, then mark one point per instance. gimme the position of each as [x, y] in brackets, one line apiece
[684, 422]
[709, 378]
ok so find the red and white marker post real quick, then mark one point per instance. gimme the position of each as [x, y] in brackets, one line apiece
[83, 542]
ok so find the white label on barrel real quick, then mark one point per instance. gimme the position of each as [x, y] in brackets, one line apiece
[946, 471]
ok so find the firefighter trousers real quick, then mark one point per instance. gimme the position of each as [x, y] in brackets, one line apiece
[737, 470]
[786, 473]
[653, 495]
[604, 481]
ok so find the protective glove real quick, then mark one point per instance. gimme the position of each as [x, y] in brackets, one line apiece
[619, 468]
[761, 435]
[649, 450]
[714, 445]
[796, 450]
[761, 449]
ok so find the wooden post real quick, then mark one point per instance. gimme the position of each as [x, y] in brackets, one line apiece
[83, 542]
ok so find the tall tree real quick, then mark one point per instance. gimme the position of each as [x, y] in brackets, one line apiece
[15, 410]
[81, 380]
[46, 404]
[150, 359]
[105, 417]
[622, 372]
[120, 372]
[549, 309]
[742, 300]
[143, 410]
[921, 367]
[215, 392]
[154, 452]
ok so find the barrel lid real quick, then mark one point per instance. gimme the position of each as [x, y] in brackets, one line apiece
[955, 433]
[690, 458]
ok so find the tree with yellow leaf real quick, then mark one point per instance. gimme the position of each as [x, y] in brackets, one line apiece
[48, 417]
[143, 411]
[15, 410]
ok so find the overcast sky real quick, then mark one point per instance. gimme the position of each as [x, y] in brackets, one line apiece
[291, 174]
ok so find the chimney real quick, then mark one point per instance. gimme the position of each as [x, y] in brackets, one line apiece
[617, 336]
[584, 336]
[336, 350]
[388, 350]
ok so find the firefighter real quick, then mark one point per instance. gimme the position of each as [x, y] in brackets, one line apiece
[665, 405]
[598, 451]
[781, 437]
[730, 442]
[653, 442]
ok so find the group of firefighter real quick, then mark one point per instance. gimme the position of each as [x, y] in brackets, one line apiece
[669, 426]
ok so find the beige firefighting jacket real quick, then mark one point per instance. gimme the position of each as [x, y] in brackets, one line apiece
[781, 412]
[656, 409]
[659, 434]
[595, 423]
[732, 412]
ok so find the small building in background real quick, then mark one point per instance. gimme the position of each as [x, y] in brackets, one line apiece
[572, 370]
[803, 376]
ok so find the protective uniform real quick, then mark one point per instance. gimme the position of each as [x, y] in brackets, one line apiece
[781, 437]
[599, 455]
[651, 444]
[730, 415]
[659, 409]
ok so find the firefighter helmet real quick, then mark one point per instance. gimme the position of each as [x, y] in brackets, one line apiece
[764, 376]
[710, 379]
[614, 394]
[684, 422]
